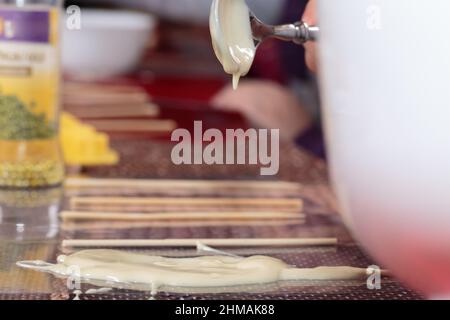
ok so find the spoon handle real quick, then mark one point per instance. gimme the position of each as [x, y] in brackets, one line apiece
[299, 32]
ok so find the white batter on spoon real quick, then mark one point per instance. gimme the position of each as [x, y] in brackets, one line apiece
[232, 38]
[114, 266]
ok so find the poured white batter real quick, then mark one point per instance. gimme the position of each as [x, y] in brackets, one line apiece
[113, 266]
[232, 38]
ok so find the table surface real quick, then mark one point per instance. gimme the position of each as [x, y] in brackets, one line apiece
[30, 230]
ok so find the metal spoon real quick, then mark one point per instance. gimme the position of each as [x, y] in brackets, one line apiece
[299, 32]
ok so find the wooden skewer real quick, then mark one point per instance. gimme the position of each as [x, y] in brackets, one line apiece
[170, 184]
[133, 125]
[178, 192]
[102, 216]
[82, 94]
[104, 98]
[160, 209]
[116, 225]
[75, 88]
[241, 202]
[289, 242]
[114, 111]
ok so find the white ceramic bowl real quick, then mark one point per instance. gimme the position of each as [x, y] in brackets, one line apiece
[109, 43]
[384, 79]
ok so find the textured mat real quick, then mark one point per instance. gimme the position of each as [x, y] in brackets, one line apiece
[143, 159]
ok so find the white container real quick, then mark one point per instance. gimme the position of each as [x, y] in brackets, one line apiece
[109, 43]
[385, 78]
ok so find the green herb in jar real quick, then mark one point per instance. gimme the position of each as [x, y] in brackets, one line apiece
[17, 122]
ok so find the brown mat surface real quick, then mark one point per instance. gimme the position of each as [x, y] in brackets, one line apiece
[143, 159]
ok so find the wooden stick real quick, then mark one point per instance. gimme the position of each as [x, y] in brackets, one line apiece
[242, 202]
[123, 216]
[117, 225]
[114, 111]
[188, 209]
[82, 94]
[170, 184]
[104, 99]
[180, 192]
[133, 125]
[251, 242]
[77, 88]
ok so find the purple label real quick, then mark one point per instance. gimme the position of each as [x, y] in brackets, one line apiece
[26, 26]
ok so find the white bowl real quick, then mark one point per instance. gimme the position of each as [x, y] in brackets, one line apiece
[109, 43]
[386, 112]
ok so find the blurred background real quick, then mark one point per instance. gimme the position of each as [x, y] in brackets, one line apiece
[164, 49]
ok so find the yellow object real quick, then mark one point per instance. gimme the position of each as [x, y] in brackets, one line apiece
[30, 154]
[83, 145]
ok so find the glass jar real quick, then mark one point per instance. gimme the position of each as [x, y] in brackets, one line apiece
[29, 94]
